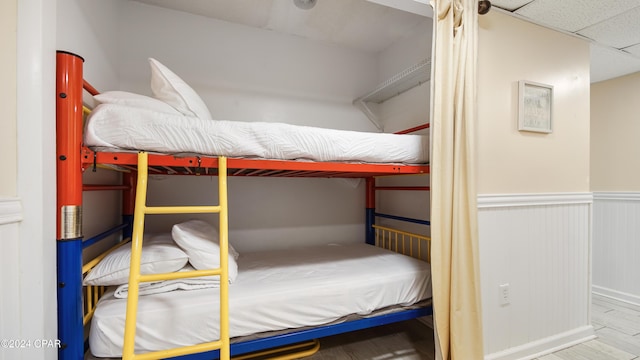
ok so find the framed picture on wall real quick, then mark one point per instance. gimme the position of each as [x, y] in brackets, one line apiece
[535, 107]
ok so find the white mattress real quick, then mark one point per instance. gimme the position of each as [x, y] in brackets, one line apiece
[273, 291]
[118, 126]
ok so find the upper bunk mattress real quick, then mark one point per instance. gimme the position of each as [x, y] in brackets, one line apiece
[131, 128]
[274, 290]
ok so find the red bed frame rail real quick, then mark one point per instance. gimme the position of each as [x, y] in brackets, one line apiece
[206, 165]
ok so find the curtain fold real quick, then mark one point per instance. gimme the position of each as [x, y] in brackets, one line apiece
[456, 287]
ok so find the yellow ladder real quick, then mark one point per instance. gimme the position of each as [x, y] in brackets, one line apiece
[135, 278]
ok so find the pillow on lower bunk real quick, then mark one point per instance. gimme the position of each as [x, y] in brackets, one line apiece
[199, 240]
[135, 100]
[160, 254]
[170, 88]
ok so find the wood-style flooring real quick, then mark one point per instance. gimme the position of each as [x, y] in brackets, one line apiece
[407, 340]
[616, 324]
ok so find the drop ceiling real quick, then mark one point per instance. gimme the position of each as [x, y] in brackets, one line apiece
[612, 27]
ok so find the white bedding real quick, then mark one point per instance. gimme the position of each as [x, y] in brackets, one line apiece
[273, 291]
[157, 287]
[131, 128]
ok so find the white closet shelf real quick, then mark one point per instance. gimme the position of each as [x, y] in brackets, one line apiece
[405, 80]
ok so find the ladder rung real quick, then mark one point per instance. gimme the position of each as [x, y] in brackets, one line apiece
[179, 275]
[181, 209]
[185, 350]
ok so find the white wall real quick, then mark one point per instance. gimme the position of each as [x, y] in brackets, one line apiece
[10, 206]
[412, 107]
[33, 257]
[10, 217]
[402, 112]
[90, 29]
[615, 169]
[27, 222]
[249, 74]
[8, 63]
[616, 247]
[93, 35]
[535, 205]
[538, 245]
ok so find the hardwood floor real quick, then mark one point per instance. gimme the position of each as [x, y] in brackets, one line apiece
[617, 326]
[407, 340]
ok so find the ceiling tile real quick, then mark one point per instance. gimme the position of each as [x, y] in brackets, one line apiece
[619, 32]
[607, 63]
[574, 15]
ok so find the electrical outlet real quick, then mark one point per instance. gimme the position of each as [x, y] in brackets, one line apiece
[504, 294]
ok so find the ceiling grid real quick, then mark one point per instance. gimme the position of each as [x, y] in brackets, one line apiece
[612, 27]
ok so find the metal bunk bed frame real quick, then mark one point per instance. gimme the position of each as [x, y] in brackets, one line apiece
[76, 304]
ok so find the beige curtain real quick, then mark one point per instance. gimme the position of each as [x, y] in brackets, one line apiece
[456, 287]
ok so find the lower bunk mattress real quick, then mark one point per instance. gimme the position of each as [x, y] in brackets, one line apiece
[274, 290]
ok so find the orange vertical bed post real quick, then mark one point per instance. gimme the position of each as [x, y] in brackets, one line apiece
[68, 145]
[69, 205]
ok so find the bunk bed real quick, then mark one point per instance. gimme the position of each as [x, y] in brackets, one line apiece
[77, 304]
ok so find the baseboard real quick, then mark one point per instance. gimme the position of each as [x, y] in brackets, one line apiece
[10, 210]
[617, 295]
[545, 346]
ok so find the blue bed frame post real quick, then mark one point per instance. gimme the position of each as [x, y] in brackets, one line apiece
[70, 322]
[128, 202]
[370, 235]
[69, 82]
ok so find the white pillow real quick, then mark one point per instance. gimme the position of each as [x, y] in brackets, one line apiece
[171, 89]
[160, 254]
[199, 240]
[135, 100]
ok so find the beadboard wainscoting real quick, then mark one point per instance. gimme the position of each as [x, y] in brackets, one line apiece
[616, 245]
[535, 253]
[10, 217]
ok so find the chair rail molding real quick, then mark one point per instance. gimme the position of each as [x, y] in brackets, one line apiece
[616, 195]
[506, 200]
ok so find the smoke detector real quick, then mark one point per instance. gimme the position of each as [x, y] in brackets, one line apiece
[305, 4]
